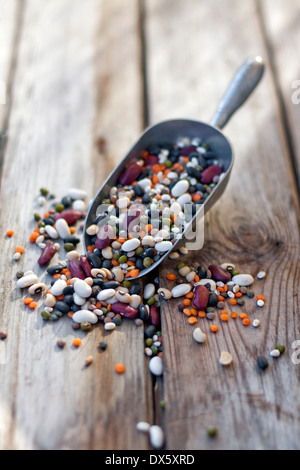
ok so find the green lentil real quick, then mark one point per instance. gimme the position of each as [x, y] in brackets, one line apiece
[151, 301]
[234, 272]
[180, 265]
[69, 246]
[147, 262]
[168, 164]
[211, 431]
[126, 283]
[36, 217]
[117, 255]
[59, 207]
[122, 259]
[139, 251]
[41, 224]
[46, 315]
[19, 274]
[154, 350]
[240, 301]
[162, 404]
[44, 191]
[149, 342]
[104, 310]
[85, 326]
[280, 348]
[250, 293]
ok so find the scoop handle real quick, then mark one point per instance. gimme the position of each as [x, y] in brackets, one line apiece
[244, 82]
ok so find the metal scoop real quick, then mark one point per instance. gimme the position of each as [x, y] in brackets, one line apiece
[244, 82]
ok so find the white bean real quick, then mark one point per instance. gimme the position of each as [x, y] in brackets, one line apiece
[27, 281]
[82, 288]
[62, 228]
[85, 316]
[181, 290]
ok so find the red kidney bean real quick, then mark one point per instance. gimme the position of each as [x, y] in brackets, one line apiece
[76, 270]
[187, 150]
[151, 160]
[130, 174]
[71, 216]
[219, 274]
[124, 309]
[201, 297]
[86, 266]
[154, 316]
[105, 236]
[209, 174]
[47, 254]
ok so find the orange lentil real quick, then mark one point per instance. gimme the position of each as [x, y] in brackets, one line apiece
[48, 291]
[192, 320]
[130, 263]
[145, 153]
[70, 314]
[33, 237]
[73, 230]
[46, 215]
[64, 270]
[33, 305]
[232, 301]
[186, 302]
[196, 197]
[69, 282]
[155, 179]
[246, 321]
[187, 312]
[220, 289]
[10, 233]
[158, 197]
[238, 295]
[171, 277]
[98, 305]
[224, 312]
[201, 314]
[194, 311]
[77, 342]
[121, 240]
[156, 168]
[260, 297]
[214, 328]
[189, 295]
[234, 315]
[243, 316]
[20, 249]
[115, 262]
[148, 228]
[225, 288]
[37, 230]
[133, 273]
[197, 278]
[60, 297]
[224, 317]
[221, 298]
[28, 300]
[57, 276]
[120, 368]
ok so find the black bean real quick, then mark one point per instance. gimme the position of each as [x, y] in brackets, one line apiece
[147, 198]
[110, 285]
[49, 221]
[209, 155]
[139, 264]
[95, 290]
[103, 345]
[57, 269]
[202, 162]
[201, 271]
[262, 362]
[135, 288]
[149, 331]
[138, 190]
[148, 253]
[143, 312]
[73, 240]
[62, 306]
[116, 321]
[193, 172]
[213, 299]
[66, 201]
[68, 299]
[200, 187]
[68, 290]
[106, 264]
[95, 260]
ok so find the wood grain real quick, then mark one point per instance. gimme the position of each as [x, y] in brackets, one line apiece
[254, 225]
[68, 92]
[281, 26]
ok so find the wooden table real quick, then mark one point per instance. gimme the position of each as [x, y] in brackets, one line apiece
[82, 81]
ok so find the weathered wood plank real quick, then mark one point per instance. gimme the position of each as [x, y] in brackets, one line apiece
[281, 21]
[77, 80]
[254, 225]
[9, 17]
